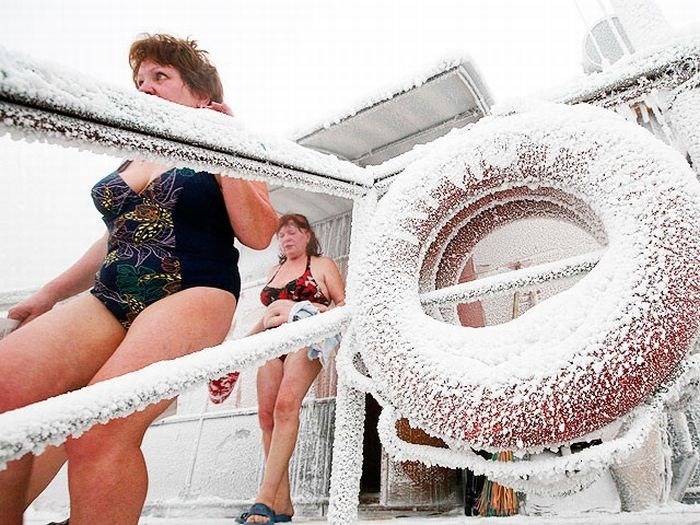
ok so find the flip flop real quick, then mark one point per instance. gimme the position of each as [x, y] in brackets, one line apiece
[283, 518]
[258, 509]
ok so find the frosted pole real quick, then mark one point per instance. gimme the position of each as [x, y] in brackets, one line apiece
[587, 27]
[644, 23]
[613, 27]
[684, 117]
[350, 403]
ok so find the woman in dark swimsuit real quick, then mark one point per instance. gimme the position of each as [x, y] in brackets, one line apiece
[167, 285]
[302, 275]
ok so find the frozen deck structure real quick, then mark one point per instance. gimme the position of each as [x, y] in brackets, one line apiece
[207, 460]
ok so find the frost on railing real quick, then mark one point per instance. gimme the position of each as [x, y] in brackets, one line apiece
[668, 66]
[50, 422]
[577, 362]
[43, 102]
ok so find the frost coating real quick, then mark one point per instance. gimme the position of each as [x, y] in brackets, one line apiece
[685, 115]
[28, 82]
[423, 75]
[32, 428]
[580, 359]
[667, 66]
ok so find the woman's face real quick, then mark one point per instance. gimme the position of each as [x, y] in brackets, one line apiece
[166, 82]
[293, 240]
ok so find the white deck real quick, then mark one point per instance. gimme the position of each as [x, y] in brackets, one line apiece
[673, 514]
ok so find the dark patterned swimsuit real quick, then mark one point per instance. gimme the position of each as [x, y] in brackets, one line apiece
[173, 235]
[303, 288]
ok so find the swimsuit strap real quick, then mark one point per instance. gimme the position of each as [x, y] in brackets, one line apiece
[124, 165]
[275, 274]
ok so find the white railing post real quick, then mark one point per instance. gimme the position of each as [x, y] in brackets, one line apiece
[350, 402]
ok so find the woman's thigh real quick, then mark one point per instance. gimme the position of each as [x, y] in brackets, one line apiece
[177, 325]
[268, 383]
[58, 351]
[299, 374]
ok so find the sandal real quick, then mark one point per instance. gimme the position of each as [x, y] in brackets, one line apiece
[258, 509]
[283, 518]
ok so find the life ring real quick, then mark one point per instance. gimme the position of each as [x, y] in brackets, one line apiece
[578, 360]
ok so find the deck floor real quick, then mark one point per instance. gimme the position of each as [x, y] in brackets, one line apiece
[673, 514]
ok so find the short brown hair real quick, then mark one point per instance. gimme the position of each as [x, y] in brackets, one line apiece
[313, 248]
[199, 74]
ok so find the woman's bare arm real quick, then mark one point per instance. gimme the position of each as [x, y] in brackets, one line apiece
[333, 280]
[250, 212]
[78, 278]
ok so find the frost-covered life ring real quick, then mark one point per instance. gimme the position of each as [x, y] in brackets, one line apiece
[578, 360]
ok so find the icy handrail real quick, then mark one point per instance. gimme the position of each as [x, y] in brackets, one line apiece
[496, 284]
[55, 90]
[52, 421]
[633, 70]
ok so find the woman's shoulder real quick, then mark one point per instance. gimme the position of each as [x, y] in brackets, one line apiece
[322, 262]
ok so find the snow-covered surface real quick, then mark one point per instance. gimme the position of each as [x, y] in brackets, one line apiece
[643, 21]
[633, 69]
[382, 94]
[582, 358]
[26, 81]
[672, 514]
[32, 428]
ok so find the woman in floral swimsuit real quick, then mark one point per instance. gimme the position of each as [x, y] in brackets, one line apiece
[166, 286]
[302, 275]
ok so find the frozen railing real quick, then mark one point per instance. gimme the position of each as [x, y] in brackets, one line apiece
[50, 422]
[41, 102]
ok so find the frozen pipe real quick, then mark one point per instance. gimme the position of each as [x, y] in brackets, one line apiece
[684, 118]
[587, 26]
[613, 27]
[643, 22]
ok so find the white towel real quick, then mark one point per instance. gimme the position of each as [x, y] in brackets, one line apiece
[321, 351]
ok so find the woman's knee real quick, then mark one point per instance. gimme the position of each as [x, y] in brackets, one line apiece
[286, 408]
[91, 445]
[102, 441]
[266, 420]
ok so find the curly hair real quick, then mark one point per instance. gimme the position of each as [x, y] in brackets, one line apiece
[313, 248]
[193, 64]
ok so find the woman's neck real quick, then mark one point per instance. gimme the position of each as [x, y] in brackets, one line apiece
[295, 258]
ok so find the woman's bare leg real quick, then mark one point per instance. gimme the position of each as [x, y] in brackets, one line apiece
[106, 471]
[55, 353]
[44, 469]
[268, 384]
[299, 374]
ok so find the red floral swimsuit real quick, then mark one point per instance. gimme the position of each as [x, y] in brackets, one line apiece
[303, 288]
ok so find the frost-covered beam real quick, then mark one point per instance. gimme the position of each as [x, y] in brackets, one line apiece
[47, 102]
[668, 66]
[32, 428]
[502, 283]
[37, 124]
